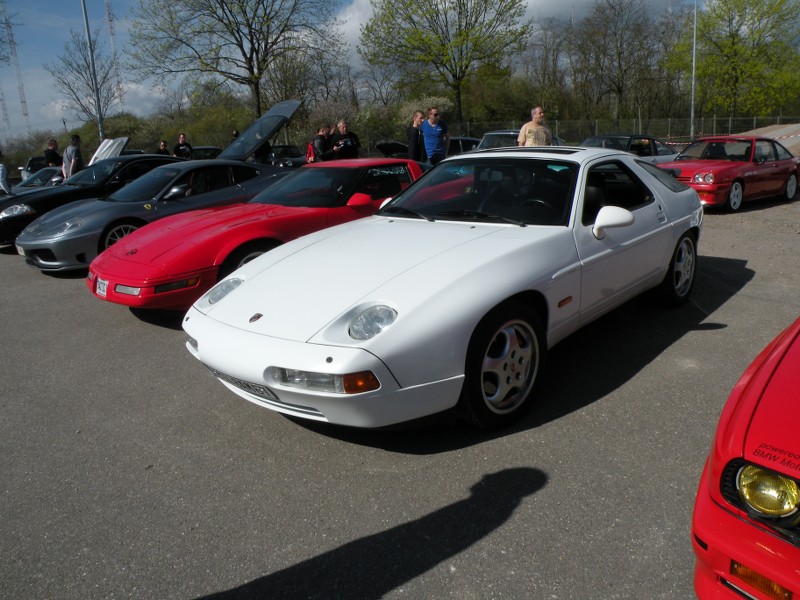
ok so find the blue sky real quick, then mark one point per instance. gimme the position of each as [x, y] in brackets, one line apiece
[42, 28]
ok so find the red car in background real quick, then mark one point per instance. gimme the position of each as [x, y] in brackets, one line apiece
[172, 262]
[746, 524]
[729, 170]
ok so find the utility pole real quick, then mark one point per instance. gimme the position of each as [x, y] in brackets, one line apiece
[93, 74]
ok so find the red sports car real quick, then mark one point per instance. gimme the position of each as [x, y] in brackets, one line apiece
[726, 171]
[172, 262]
[746, 525]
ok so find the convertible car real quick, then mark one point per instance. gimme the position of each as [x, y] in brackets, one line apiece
[746, 524]
[171, 263]
[69, 237]
[452, 294]
[727, 171]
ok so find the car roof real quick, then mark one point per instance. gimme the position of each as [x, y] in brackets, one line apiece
[503, 132]
[574, 153]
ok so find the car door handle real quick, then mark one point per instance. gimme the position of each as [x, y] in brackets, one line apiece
[662, 218]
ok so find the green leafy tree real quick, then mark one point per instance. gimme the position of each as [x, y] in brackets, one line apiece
[747, 57]
[449, 38]
[238, 41]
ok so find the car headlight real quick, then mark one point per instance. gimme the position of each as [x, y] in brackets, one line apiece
[351, 383]
[218, 292]
[371, 321]
[703, 178]
[67, 226]
[17, 210]
[767, 492]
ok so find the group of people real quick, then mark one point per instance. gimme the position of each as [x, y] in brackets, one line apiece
[182, 149]
[332, 143]
[428, 138]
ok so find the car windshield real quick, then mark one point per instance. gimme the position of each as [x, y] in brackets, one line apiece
[311, 187]
[286, 151]
[615, 142]
[734, 150]
[497, 140]
[492, 189]
[95, 174]
[146, 187]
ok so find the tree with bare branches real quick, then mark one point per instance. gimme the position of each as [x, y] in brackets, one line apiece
[72, 75]
[237, 41]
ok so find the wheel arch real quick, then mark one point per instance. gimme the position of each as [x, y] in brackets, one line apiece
[115, 223]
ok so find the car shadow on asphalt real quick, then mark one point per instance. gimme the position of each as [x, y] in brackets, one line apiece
[168, 319]
[583, 368]
[374, 565]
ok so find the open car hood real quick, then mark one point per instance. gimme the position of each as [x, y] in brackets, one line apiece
[256, 139]
[109, 148]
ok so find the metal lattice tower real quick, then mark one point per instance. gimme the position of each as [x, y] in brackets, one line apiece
[12, 53]
[112, 33]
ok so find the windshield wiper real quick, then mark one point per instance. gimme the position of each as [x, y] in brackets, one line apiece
[475, 214]
[402, 210]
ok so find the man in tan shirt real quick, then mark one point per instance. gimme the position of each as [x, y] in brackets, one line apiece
[533, 133]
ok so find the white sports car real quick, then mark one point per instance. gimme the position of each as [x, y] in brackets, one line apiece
[453, 293]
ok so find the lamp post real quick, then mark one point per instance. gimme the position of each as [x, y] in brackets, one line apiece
[694, 56]
[93, 74]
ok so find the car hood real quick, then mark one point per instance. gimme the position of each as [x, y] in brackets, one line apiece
[252, 139]
[109, 148]
[80, 209]
[694, 166]
[171, 238]
[772, 437]
[400, 262]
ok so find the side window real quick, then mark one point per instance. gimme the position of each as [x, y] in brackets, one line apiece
[612, 184]
[384, 182]
[207, 179]
[242, 173]
[135, 170]
[641, 147]
[782, 153]
[763, 151]
[663, 150]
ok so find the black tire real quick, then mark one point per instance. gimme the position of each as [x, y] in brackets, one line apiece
[735, 196]
[116, 232]
[505, 361]
[790, 191]
[244, 254]
[678, 282]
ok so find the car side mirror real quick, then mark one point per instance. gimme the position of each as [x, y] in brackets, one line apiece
[611, 216]
[360, 199]
[177, 191]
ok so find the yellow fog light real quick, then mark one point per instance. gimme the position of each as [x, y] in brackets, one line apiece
[766, 586]
[767, 492]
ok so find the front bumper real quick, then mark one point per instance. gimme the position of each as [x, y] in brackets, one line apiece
[713, 195]
[240, 359]
[720, 537]
[146, 293]
[59, 254]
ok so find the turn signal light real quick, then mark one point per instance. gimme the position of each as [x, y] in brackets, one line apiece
[766, 586]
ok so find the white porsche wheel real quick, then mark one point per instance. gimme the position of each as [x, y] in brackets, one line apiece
[504, 361]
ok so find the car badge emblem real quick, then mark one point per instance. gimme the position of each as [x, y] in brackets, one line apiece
[132, 252]
[255, 317]
[148, 206]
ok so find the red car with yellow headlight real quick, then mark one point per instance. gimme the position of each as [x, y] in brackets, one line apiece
[746, 524]
[729, 170]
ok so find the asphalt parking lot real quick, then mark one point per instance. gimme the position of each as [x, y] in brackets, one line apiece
[128, 472]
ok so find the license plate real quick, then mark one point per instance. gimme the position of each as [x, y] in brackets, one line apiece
[102, 287]
[20, 251]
